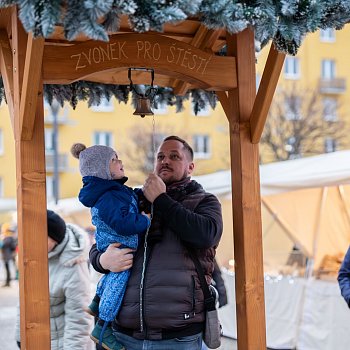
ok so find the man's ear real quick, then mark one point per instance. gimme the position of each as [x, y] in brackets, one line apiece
[190, 168]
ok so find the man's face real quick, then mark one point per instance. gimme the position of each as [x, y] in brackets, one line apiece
[173, 162]
[51, 244]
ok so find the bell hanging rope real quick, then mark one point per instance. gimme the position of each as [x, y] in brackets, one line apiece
[144, 100]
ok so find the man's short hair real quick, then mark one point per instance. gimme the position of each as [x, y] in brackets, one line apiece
[187, 147]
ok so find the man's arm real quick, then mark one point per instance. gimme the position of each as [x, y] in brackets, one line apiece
[113, 259]
[344, 278]
[201, 228]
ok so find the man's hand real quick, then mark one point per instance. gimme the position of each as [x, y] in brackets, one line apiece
[116, 259]
[153, 187]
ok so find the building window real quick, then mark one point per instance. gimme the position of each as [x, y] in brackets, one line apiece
[204, 112]
[49, 140]
[201, 146]
[330, 145]
[328, 69]
[330, 107]
[50, 187]
[1, 142]
[102, 138]
[292, 68]
[104, 106]
[327, 35]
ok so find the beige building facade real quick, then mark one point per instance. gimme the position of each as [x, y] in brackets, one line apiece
[321, 65]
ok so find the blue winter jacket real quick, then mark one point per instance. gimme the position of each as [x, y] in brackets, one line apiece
[344, 278]
[114, 211]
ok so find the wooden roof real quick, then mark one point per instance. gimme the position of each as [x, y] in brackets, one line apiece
[183, 57]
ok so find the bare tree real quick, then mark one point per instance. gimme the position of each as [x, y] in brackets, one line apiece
[301, 123]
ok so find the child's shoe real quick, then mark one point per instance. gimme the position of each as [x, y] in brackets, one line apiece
[92, 309]
[103, 335]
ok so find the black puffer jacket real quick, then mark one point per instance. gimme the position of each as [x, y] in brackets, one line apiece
[171, 302]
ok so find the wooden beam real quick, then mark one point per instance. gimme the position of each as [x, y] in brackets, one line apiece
[246, 205]
[6, 67]
[204, 38]
[31, 211]
[63, 65]
[31, 80]
[265, 93]
[225, 104]
[179, 85]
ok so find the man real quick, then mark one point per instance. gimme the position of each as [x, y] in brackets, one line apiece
[163, 305]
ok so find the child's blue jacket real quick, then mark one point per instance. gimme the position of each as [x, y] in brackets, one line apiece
[114, 209]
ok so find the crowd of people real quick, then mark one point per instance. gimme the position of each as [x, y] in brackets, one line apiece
[149, 293]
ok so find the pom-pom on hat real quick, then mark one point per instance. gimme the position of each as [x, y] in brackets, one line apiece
[56, 227]
[94, 160]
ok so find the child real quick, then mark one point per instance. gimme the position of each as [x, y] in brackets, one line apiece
[114, 211]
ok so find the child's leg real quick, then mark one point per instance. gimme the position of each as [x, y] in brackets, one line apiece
[92, 309]
[111, 291]
[112, 294]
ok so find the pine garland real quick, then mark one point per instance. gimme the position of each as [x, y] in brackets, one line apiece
[285, 22]
[93, 93]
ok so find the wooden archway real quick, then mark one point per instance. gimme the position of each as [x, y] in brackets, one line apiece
[183, 57]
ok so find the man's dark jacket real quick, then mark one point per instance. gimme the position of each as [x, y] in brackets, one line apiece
[171, 303]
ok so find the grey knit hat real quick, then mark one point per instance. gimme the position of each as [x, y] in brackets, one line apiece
[94, 160]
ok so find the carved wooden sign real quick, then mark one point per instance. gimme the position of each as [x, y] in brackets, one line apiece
[165, 55]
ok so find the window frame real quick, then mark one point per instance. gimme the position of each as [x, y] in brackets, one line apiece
[206, 146]
[327, 35]
[96, 138]
[291, 68]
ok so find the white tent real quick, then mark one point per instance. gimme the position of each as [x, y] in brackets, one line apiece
[304, 202]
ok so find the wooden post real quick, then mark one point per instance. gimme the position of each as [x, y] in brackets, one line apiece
[31, 209]
[246, 203]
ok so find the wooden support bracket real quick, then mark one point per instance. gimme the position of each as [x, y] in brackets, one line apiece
[30, 86]
[225, 103]
[265, 93]
[6, 67]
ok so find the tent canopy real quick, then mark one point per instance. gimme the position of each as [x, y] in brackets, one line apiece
[305, 202]
[324, 170]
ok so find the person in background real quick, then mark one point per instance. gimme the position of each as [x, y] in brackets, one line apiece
[69, 285]
[8, 249]
[163, 306]
[344, 278]
[115, 214]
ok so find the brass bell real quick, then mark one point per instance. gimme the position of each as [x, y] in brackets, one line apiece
[143, 107]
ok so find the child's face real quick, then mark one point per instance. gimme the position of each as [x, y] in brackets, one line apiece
[116, 168]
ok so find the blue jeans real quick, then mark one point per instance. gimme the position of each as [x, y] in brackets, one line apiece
[192, 342]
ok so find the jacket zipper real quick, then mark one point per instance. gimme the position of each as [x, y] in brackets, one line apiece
[145, 246]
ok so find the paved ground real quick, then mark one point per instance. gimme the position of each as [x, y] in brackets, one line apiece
[8, 302]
